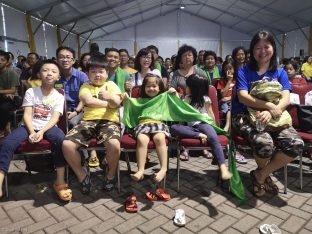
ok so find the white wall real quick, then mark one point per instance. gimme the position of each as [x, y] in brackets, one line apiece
[295, 41]
[171, 31]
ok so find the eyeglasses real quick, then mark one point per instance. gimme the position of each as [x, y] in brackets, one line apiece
[65, 58]
[146, 57]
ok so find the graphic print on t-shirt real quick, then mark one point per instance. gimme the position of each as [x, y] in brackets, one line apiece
[41, 111]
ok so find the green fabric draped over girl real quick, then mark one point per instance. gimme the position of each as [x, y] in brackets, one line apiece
[171, 108]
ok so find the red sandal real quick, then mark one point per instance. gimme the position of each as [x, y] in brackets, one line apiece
[131, 205]
[158, 195]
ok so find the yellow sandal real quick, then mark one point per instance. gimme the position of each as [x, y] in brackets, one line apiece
[63, 192]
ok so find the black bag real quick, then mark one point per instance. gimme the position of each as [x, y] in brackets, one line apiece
[305, 118]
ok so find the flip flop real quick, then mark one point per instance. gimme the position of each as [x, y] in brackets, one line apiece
[184, 156]
[63, 192]
[269, 229]
[258, 189]
[207, 154]
[270, 186]
[158, 195]
[131, 205]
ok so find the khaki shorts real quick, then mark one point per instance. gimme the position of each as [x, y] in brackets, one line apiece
[264, 144]
[103, 130]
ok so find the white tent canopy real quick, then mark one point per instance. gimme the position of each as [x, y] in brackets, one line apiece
[219, 25]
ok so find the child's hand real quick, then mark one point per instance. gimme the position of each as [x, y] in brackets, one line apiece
[71, 114]
[129, 84]
[35, 137]
[229, 75]
[172, 91]
[124, 97]
[104, 95]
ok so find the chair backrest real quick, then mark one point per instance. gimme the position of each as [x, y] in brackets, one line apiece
[63, 120]
[301, 90]
[136, 91]
[215, 104]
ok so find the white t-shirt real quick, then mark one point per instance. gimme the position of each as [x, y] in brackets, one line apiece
[202, 110]
[139, 78]
[43, 106]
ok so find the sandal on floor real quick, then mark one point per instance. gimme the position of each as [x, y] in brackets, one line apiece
[131, 205]
[184, 156]
[269, 229]
[63, 192]
[270, 186]
[158, 195]
[179, 218]
[207, 154]
[258, 189]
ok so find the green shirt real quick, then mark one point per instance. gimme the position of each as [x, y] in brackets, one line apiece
[8, 79]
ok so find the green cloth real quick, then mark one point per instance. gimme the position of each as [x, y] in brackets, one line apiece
[158, 66]
[216, 73]
[166, 107]
[120, 79]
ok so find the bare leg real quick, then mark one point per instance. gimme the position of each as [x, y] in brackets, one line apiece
[112, 156]
[60, 175]
[227, 121]
[225, 173]
[161, 149]
[141, 151]
[73, 158]
[278, 161]
[2, 174]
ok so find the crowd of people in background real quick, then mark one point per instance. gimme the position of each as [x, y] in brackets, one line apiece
[182, 74]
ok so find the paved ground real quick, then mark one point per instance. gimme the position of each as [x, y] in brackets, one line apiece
[33, 207]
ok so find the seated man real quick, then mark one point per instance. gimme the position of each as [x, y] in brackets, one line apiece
[101, 100]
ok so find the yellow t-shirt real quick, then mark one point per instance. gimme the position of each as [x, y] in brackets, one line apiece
[100, 113]
[130, 70]
[33, 83]
[307, 69]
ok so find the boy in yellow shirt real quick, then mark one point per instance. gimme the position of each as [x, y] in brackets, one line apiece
[101, 101]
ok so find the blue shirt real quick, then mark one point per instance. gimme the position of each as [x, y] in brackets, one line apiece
[246, 76]
[71, 87]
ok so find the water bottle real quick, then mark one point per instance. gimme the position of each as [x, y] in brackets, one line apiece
[260, 126]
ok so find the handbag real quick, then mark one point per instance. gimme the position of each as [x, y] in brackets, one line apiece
[304, 114]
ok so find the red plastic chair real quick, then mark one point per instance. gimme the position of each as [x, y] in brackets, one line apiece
[196, 144]
[43, 147]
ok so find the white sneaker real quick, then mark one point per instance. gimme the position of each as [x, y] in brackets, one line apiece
[179, 218]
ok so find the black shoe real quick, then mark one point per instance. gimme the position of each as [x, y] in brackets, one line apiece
[109, 184]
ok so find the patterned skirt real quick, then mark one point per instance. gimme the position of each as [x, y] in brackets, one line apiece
[150, 128]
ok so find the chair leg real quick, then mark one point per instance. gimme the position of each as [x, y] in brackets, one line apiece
[27, 164]
[285, 179]
[178, 167]
[300, 170]
[6, 186]
[128, 162]
[118, 177]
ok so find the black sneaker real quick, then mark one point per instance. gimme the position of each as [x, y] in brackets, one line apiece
[109, 184]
